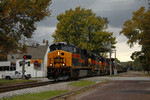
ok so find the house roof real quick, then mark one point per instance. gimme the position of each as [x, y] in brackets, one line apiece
[36, 52]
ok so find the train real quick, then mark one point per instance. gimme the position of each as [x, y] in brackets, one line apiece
[67, 61]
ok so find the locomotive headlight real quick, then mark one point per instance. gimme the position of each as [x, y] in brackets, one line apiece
[51, 65]
[58, 53]
[63, 64]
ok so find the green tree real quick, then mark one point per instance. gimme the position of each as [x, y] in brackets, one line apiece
[137, 30]
[83, 28]
[138, 58]
[17, 20]
[136, 55]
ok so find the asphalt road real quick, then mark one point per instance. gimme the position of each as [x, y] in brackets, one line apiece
[118, 90]
[131, 89]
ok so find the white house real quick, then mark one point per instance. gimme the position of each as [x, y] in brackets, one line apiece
[4, 66]
[38, 53]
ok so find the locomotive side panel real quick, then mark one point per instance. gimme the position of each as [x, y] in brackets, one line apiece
[79, 61]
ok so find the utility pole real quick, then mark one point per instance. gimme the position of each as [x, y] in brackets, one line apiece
[110, 58]
[115, 59]
[115, 69]
[23, 69]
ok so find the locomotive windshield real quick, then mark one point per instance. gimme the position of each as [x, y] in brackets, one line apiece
[62, 46]
[67, 48]
[55, 47]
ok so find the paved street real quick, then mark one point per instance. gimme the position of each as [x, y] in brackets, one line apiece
[118, 90]
[130, 86]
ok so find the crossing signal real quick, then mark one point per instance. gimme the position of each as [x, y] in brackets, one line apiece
[27, 57]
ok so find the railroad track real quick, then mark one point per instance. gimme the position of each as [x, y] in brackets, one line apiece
[23, 86]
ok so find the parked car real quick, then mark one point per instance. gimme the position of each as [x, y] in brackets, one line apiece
[15, 75]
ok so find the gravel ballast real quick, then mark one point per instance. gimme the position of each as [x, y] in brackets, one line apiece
[57, 86]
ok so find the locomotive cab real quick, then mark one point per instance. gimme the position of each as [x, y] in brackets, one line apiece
[60, 60]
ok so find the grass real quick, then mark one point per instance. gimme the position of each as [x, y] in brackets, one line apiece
[37, 96]
[82, 83]
[146, 74]
[87, 89]
[14, 81]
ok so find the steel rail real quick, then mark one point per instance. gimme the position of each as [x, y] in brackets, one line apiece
[23, 86]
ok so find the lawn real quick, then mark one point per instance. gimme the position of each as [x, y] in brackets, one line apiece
[82, 83]
[37, 96]
[14, 81]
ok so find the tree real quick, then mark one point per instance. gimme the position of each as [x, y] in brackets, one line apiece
[138, 58]
[83, 28]
[136, 55]
[17, 20]
[137, 30]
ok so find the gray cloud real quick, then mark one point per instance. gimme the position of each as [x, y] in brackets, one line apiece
[44, 33]
[60, 6]
[117, 11]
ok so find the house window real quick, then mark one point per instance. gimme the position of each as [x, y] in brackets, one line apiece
[1, 69]
[4, 68]
[20, 63]
[12, 57]
[28, 63]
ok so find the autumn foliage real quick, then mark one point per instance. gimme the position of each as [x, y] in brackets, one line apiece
[137, 30]
[17, 21]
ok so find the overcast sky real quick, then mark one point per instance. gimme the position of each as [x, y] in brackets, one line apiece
[117, 12]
